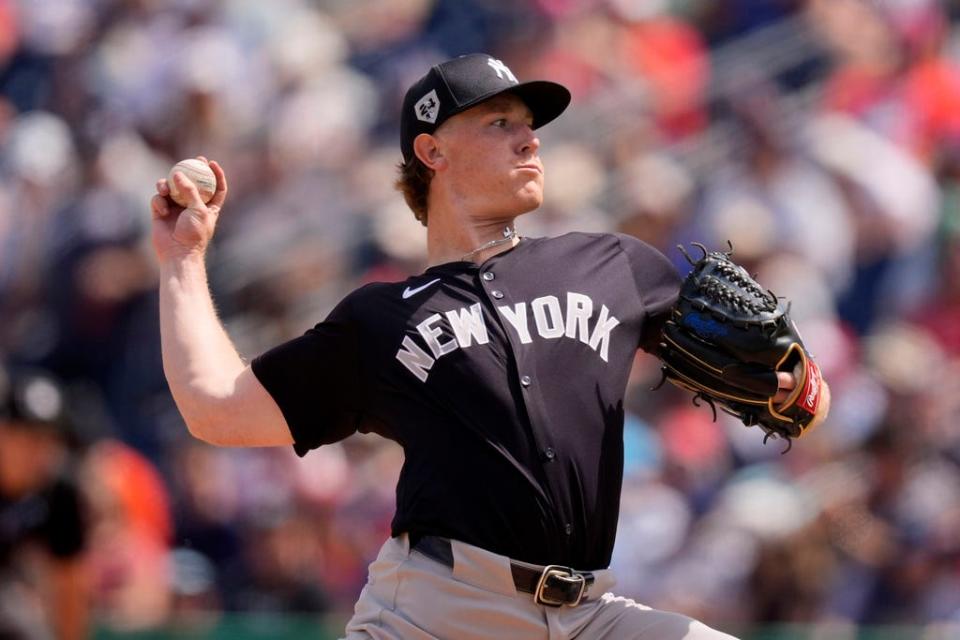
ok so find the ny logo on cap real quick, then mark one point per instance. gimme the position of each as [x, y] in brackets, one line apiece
[501, 69]
[428, 107]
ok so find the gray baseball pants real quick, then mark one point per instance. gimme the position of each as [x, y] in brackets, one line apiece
[409, 596]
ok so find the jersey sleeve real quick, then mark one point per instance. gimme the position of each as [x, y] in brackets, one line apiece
[658, 285]
[315, 379]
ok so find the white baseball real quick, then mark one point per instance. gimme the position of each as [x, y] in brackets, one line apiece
[198, 172]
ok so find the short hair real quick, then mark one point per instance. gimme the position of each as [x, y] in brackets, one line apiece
[414, 183]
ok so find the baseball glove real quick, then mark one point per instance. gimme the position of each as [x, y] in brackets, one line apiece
[726, 339]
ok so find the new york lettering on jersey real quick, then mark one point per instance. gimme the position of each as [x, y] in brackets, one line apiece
[546, 317]
[521, 362]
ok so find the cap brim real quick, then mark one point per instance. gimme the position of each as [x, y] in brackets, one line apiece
[546, 99]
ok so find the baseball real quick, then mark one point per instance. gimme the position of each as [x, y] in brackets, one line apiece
[198, 172]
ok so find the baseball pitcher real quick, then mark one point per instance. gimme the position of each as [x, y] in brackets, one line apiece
[501, 371]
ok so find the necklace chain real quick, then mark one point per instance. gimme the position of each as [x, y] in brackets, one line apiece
[508, 234]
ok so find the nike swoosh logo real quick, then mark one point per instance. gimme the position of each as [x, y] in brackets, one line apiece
[412, 292]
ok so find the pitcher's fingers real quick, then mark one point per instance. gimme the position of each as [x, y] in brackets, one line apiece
[162, 187]
[203, 159]
[186, 188]
[221, 193]
[159, 208]
[786, 380]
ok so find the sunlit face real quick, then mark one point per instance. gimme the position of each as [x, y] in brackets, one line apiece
[491, 162]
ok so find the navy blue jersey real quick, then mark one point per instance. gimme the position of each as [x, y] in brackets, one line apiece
[503, 382]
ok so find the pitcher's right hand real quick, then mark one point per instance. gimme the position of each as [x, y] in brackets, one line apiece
[182, 231]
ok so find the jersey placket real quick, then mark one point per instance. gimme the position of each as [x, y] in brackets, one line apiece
[494, 284]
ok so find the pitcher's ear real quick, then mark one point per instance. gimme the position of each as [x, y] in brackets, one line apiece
[427, 148]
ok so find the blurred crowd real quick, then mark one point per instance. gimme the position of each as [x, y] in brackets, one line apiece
[820, 137]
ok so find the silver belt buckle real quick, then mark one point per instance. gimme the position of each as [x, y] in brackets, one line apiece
[564, 573]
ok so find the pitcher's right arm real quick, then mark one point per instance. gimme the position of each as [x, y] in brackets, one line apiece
[219, 397]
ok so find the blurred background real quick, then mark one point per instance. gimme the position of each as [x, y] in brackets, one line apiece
[822, 137]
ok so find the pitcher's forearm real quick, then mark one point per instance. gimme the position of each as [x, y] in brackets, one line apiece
[199, 360]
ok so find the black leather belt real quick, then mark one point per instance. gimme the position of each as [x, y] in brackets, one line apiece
[552, 586]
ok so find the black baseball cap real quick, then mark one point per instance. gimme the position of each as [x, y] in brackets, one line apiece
[458, 84]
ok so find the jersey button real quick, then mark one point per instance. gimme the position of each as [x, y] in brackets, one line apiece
[496, 294]
[549, 453]
[525, 381]
[488, 275]
[568, 529]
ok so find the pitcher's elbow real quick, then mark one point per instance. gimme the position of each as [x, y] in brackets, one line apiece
[205, 428]
[202, 414]
[198, 429]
